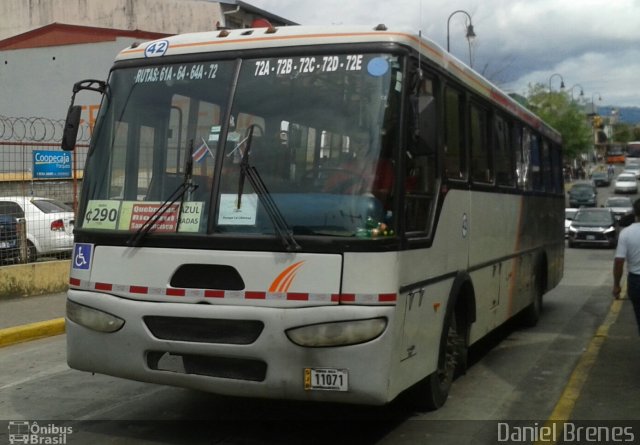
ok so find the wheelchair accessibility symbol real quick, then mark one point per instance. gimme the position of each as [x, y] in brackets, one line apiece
[82, 256]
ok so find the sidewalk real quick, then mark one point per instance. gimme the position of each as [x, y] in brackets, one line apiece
[28, 318]
[610, 391]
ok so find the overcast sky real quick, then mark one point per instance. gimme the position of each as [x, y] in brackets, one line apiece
[593, 44]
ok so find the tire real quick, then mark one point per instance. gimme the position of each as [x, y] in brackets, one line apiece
[32, 253]
[432, 392]
[531, 314]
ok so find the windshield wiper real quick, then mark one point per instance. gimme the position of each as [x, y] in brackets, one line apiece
[185, 186]
[280, 225]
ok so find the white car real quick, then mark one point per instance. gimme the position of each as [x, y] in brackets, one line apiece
[626, 183]
[633, 169]
[569, 214]
[49, 224]
[619, 205]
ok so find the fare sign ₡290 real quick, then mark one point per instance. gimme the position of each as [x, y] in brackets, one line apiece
[51, 164]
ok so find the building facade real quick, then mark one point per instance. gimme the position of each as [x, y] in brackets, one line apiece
[48, 45]
[165, 16]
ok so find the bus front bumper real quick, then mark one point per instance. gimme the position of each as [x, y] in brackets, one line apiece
[150, 347]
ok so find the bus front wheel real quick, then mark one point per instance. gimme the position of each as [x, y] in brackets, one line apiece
[432, 392]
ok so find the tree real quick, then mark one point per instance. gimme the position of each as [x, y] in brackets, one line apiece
[565, 115]
[622, 132]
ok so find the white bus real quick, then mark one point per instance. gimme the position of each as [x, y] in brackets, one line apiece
[632, 158]
[307, 213]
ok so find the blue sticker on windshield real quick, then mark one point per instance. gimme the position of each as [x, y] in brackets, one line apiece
[156, 49]
[378, 66]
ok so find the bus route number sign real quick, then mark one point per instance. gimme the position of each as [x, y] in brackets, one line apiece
[326, 379]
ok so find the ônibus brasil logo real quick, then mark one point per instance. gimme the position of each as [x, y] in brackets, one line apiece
[27, 432]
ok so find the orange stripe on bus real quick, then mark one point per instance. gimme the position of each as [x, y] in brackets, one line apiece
[277, 284]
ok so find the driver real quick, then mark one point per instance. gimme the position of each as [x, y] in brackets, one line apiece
[363, 171]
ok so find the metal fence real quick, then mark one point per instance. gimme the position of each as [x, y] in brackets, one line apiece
[39, 189]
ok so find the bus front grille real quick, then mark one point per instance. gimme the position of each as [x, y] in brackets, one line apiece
[204, 330]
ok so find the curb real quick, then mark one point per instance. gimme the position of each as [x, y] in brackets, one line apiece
[31, 331]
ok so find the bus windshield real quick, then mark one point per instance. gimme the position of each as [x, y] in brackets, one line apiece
[316, 131]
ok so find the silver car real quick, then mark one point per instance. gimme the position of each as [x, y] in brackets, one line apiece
[626, 183]
[619, 205]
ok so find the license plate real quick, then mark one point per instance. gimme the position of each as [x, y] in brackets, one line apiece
[591, 237]
[326, 379]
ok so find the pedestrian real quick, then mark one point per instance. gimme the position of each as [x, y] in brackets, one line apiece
[629, 250]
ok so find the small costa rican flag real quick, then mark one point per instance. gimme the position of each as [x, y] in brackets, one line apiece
[200, 154]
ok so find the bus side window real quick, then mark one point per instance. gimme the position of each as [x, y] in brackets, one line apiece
[505, 172]
[523, 152]
[547, 172]
[535, 160]
[420, 161]
[481, 155]
[454, 152]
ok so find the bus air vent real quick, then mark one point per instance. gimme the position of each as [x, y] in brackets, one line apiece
[204, 330]
[207, 276]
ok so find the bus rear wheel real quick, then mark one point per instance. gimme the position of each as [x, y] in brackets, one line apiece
[531, 314]
[432, 392]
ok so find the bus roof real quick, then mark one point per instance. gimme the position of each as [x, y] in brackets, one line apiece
[291, 36]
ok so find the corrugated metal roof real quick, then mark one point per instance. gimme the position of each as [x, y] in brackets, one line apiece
[58, 34]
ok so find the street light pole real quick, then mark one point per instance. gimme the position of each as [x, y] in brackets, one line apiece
[470, 33]
[581, 90]
[594, 109]
[561, 81]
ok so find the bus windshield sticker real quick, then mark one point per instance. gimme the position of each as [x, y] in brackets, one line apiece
[101, 214]
[232, 136]
[170, 73]
[378, 66]
[190, 217]
[308, 65]
[166, 223]
[231, 215]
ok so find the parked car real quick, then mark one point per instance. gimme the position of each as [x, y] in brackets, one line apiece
[49, 224]
[9, 249]
[594, 226]
[600, 178]
[619, 205]
[626, 183]
[583, 194]
[569, 214]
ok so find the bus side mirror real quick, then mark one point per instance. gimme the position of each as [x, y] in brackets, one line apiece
[71, 126]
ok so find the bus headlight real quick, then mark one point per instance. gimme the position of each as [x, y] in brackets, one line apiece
[93, 318]
[341, 333]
